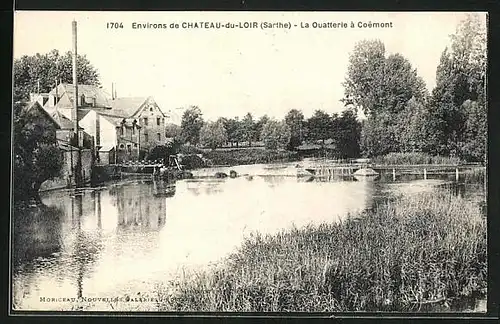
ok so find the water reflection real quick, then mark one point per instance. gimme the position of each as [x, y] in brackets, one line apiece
[125, 237]
[68, 247]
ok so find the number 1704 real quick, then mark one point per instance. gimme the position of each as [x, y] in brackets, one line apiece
[114, 25]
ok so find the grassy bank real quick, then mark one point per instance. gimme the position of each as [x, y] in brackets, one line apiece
[249, 156]
[414, 158]
[413, 251]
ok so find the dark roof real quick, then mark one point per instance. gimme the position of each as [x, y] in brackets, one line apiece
[30, 106]
[113, 119]
[127, 106]
[63, 121]
[102, 98]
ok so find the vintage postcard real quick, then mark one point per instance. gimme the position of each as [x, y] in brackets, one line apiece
[249, 162]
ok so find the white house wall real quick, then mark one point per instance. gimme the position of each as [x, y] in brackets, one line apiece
[88, 123]
[108, 132]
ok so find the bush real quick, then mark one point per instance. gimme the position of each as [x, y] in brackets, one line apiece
[249, 156]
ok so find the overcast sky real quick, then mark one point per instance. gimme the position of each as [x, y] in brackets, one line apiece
[231, 72]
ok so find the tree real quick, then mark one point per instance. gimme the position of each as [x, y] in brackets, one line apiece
[347, 130]
[381, 86]
[459, 99]
[248, 129]
[191, 124]
[234, 130]
[275, 134]
[364, 75]
[36, 155]
[378, 136]
[40, 72]
[295, 120]
[213, 134]
[259, 125]
[416, 129]
[319, 126]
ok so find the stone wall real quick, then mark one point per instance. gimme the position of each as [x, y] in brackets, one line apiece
[66, 179]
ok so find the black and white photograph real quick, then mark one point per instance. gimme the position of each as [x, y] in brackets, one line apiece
[249, 162]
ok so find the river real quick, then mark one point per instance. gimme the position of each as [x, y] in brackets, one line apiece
[125, 237]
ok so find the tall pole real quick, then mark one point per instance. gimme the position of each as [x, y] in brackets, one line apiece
[75, 111]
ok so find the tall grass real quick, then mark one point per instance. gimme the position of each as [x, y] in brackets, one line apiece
[406, 253]
[412, 158]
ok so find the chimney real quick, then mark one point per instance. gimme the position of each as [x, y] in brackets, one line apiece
[114, 94]
[112, 91]
[75, 81]
[75, 85]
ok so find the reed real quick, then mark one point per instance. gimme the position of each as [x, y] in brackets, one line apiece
[409, 252]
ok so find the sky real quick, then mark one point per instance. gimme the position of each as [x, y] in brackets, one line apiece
[229, 72]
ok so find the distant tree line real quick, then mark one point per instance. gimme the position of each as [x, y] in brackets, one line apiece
[343, 131]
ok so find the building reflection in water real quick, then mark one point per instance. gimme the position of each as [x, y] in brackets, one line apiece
[143, 206]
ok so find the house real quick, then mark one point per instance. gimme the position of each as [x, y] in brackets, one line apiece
[146, 113]
[61, 98]
[133, 125]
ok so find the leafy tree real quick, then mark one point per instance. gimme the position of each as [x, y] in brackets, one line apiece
[319, 126]
[382, 87]
[248, 128]
[36, 155]
[173, 131]
[415, 128]
[41, 72]
[259, 125]
[378, 136]
[363, 82]
[191, 124]
[347, 133]
[295, 120]
[234, 130]
[459, 99]
[275, 134]
[213, 134]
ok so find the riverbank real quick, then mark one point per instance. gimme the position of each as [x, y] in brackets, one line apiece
[424, 249]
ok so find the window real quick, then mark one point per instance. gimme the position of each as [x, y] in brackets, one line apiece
[158, 135]
[129, 148]
[133, 129]
[163, 120]
[145, 120]
[158, 121]
[151, 109]
[135, 144]
[121, 130]
[122, 146]
[146, 137]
